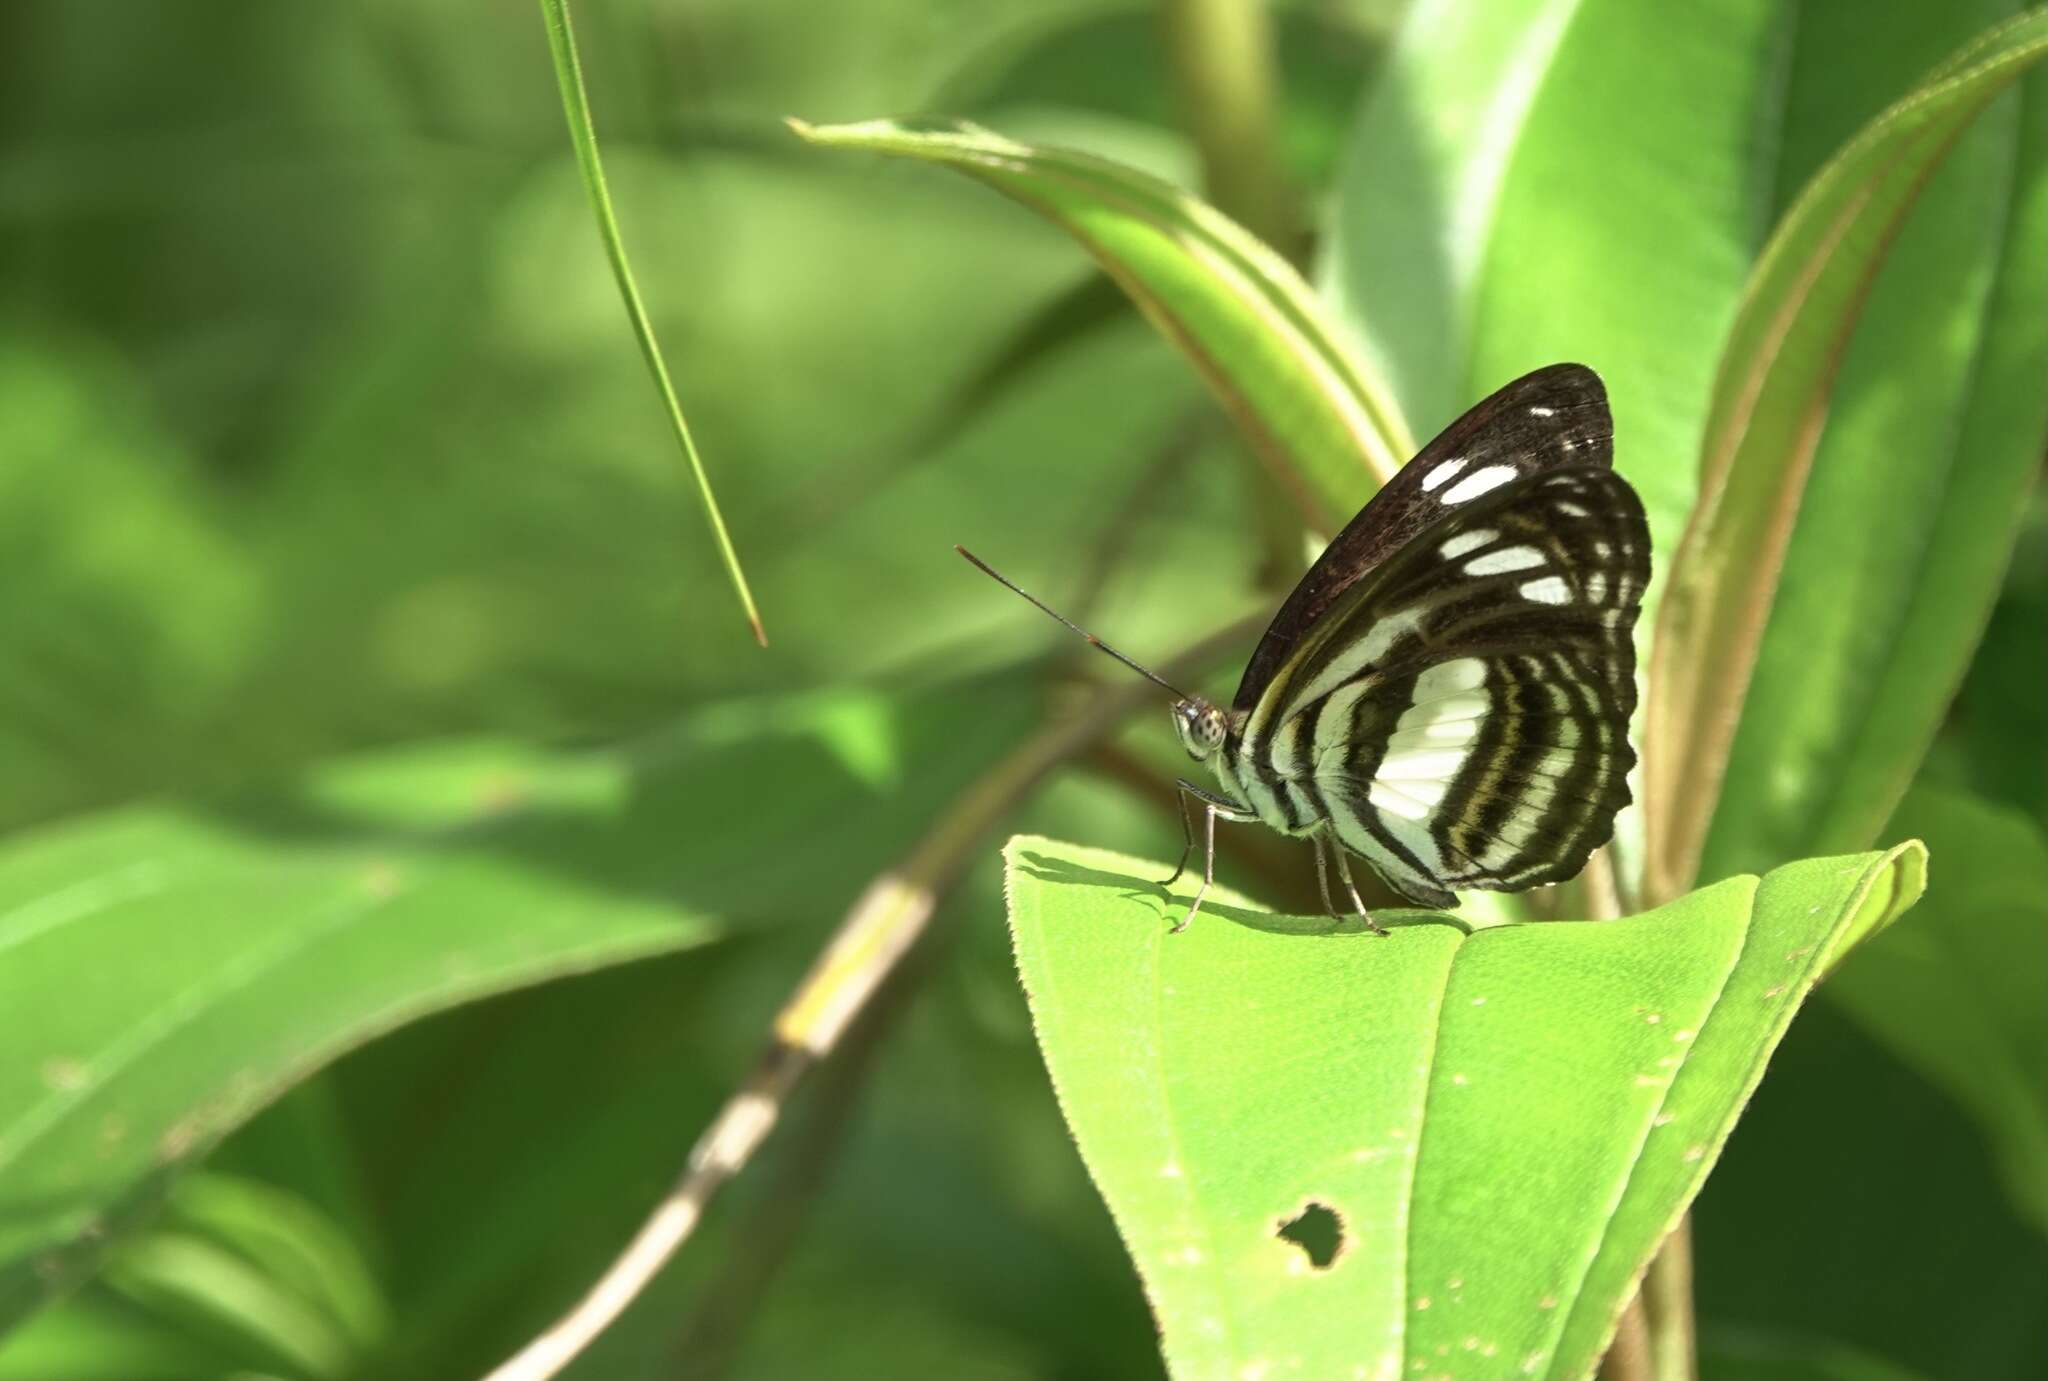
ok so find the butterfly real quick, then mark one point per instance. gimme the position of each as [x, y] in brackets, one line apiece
[1446, 693]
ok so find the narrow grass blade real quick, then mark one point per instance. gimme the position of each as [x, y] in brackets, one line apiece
[583, 134]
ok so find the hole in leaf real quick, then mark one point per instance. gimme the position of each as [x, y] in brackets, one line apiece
[1318, 1231]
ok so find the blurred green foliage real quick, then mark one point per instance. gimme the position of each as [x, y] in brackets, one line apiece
[321, 434]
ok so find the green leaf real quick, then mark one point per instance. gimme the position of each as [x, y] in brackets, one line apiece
[1962, 994]
[1250, 325]
[583, 134]
[1222, 1082]
[1511, 200]
[170, 971]
[259, 1269]
[1770, 402]
[1893, 568]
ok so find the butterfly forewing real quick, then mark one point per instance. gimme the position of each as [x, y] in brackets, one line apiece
[1460, 717]
[1555, 416]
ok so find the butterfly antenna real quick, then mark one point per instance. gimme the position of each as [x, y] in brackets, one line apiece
[1004, 580]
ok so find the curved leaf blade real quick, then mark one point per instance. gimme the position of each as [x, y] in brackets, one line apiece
[1769, 405]
[172, 973]
[1932, 443]
[1250, 325]
[1220, 1082]
[169, 971]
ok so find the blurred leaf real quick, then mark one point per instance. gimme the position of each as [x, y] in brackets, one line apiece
[131, 604]
[170, 975]
[258, 1270]
[1243, 317]
[1225, 1085]
[1110, 62]
[1756, 1356]
[172, 972]
[1961, 995]
[100, 1336]
[1998, 730]
[1902, 1241]
[1770, 402]
[583, 135]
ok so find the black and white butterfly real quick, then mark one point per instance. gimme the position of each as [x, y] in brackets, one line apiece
[1447, 692]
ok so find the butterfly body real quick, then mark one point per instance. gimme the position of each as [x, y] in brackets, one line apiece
[1446, 693]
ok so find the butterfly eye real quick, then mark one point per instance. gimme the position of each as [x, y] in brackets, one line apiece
[1199, 727]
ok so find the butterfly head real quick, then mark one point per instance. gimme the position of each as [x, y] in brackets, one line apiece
[1201, 727]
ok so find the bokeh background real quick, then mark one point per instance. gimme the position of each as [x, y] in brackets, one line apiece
[322, 433]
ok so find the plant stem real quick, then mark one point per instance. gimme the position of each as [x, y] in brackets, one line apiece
[1667, 1300]
[1629, 1355]
[1221, 53]
[583, 136]
[890, 916]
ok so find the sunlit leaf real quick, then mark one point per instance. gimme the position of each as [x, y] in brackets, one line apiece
[1933, 438]
[1770, 402]
[1510, 200]
[1239, 312]
[1489, 1132]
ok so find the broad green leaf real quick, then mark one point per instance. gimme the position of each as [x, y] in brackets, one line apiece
[169, 971]
[1511, 199]
[1505, 1122]
[1892, 570]
[1961, 995]
[1240, 313]
[1770, 402]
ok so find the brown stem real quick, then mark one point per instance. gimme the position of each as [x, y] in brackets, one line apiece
[1628, 1356]
[1667, 1296]
[866, 949]
[717, 1325]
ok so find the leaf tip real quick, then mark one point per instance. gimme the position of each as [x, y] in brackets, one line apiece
[801, 128]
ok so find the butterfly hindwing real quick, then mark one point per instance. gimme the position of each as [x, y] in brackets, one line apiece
[1554, 416]
[1460, 718]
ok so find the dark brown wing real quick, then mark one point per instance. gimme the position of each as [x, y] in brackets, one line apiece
[1555, 416]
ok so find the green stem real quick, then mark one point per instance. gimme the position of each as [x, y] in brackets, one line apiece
[1221, 52]
[583, 135]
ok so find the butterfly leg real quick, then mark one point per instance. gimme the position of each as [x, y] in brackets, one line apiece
[1208, 865]
[1229, 810]
[1351, 888]
[1323, 877]
[1187, 836]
